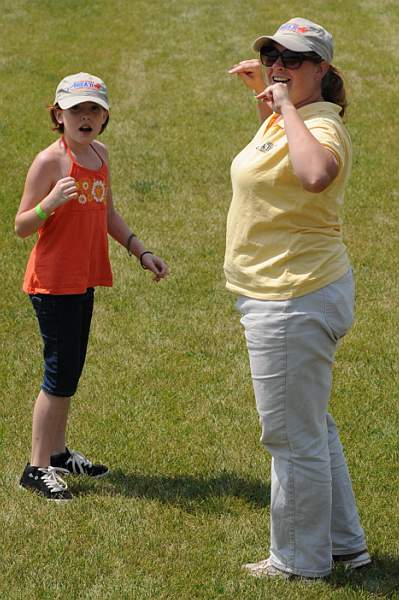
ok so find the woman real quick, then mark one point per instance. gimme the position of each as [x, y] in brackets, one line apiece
[286, 260]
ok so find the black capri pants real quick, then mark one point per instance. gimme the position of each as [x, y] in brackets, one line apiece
[64, 323]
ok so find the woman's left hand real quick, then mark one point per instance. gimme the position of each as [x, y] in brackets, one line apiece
[251, 74]
[276, 96]
[156, 265]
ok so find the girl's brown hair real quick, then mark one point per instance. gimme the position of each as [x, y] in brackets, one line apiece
[333, 88]
[60, 126]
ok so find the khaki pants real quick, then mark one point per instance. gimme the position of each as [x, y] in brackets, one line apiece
[291, 346]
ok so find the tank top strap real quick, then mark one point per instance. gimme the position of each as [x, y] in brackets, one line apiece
[98, 154]
[67, 149]
[75, 164]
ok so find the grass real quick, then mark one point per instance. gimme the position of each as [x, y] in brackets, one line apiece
[166, 397]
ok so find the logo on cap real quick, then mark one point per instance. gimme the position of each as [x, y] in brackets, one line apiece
[294, 27]
[78, 85]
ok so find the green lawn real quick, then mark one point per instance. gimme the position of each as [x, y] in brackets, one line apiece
[166, 397]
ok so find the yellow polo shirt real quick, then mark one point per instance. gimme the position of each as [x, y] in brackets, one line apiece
[282, 241]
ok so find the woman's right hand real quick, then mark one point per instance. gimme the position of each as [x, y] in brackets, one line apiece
[276, 96]
[251, 73]
[64, 190]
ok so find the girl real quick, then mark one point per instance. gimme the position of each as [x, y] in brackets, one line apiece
[67, 198]
[286, 260]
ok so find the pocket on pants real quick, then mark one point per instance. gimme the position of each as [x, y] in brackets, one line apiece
[43, 305]
[339, 299]
[37, 304]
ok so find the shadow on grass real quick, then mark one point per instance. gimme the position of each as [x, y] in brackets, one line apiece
[211, 495]
[189, 492]
[381, 579]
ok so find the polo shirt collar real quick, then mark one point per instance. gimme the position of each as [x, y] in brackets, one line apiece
[315, 109]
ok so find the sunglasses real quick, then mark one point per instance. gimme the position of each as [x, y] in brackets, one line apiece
[290, 59]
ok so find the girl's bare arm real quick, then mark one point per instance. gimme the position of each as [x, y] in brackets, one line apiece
[44, 185]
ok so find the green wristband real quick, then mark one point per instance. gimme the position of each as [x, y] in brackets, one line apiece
[40, 213]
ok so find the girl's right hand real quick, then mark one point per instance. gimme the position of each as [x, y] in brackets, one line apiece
[251, 73]
[64, 190]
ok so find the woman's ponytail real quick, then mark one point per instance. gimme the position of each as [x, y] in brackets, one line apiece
[333, 88]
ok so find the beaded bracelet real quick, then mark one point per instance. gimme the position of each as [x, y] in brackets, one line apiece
[141, 257]
[129, 239]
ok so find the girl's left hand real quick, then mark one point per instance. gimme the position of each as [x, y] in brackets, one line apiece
[276, 96]
[156, 265]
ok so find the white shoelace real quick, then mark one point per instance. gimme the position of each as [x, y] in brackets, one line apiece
[52, 480]
[78, 462]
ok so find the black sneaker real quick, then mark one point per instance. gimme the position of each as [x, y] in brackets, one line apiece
[357, 560]
[46, 482]
[77, 464]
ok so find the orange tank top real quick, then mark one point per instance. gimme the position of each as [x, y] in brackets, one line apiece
[71, 253]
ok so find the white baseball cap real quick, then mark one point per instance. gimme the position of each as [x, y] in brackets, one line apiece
[300, 35]
[81, 87]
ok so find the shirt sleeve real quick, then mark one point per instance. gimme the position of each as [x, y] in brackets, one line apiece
[331, 135]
